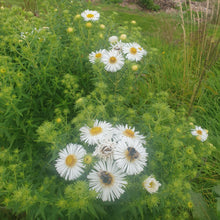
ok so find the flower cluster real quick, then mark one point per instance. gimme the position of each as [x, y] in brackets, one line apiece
[120, 152]
[24, 35]
[114, 58]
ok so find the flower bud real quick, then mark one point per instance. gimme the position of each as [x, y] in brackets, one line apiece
[102, 26]
[88, 24]
[123, 36]
[134, 67]
[69, 29]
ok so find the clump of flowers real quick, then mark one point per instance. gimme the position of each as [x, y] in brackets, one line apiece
[120, 152]
[38, 32]
[89, 163]
[114, 58]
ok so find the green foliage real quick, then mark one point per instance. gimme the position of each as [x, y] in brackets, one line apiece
[201, 210]
[111, 1]
[216, 189]
[209, 114]
[149, 4]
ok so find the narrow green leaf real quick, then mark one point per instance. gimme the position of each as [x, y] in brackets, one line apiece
[200, 209]
[92, 210]
[218, 206]
[216, 189]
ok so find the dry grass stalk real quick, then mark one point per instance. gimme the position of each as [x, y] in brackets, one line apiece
[200, 48]
[207, 49]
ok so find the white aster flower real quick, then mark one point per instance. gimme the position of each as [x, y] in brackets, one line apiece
[100, 131]
[97, 55]
[70, 162]
[132, 51]
[24, 34]
[35, 30]
[131, 157]
[201, 134]
[113, 39]
[113, 60]
[105, 150]
[107, 180]
[142, 50]
[89, 15]
[151, 184]
[126, 133]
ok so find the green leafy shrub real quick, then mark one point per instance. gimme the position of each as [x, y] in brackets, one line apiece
[149, 4]
[112, 1]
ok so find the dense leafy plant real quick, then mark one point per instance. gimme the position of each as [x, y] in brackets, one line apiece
[149, 4]
[112, 1]
[49, 90]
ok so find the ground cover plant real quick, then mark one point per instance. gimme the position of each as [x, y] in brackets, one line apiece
[87, 127]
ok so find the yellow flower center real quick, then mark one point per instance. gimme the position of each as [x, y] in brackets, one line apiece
[129, 133]
[3, 70]
[95, 131]
[190, 205]
[112, 60]
[71, 160]
[131, 154]
[133, 50]
[199, 132]
[98, 55]
[189, 151]
[90, 15]
[58, 120]
[106, 178]
[151, 184]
